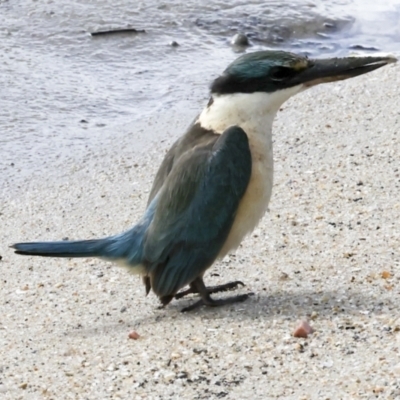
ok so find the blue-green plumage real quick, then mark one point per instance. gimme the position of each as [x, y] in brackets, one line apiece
[215, 182]
[196, 210]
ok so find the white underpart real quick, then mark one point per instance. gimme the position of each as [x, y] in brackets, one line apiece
[254, 113]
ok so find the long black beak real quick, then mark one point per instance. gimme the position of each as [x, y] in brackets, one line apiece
[336, 69]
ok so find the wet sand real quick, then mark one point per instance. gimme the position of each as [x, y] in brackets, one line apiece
[328, 251]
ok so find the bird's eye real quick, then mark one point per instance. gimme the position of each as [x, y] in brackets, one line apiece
[281, 73]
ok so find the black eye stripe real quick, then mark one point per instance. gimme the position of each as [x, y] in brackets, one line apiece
[281, 73]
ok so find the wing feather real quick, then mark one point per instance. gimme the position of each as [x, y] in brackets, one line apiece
[196, 207]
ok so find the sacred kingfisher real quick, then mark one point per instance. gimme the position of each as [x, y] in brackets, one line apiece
[215, 182]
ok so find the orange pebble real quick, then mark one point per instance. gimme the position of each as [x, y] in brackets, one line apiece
[303, 329]
[385, 274]
[134, 335]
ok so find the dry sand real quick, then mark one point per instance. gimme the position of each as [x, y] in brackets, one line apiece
[327, 251]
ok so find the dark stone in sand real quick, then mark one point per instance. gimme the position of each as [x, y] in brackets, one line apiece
[117, 31]
[361, 47]
[240, 39]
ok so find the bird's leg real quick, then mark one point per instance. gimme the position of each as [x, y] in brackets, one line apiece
[210, 289]
[206, 299]
[147, 284]
[183, 293]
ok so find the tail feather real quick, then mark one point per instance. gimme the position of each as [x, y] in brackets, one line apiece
[79, 248]
[127, 245]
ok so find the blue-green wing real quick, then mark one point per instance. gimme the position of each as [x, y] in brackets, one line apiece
[195, 210]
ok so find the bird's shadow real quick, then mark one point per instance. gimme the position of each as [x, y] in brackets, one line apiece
[265, 306]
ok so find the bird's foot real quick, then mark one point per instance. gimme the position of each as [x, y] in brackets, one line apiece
[198, 286]
[216, 303]
[210, 289]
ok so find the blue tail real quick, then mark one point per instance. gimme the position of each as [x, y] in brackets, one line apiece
[79, 248]
[127, 246]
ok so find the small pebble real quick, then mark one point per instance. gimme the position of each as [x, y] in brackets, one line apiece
[299, 347]
[169, 376]
[240, 39]
[329, 25]
[303, 329]
[385, 274]
[284, 276]
[314, 315]
[134, 335]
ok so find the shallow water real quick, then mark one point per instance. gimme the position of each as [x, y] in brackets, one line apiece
[63, 90]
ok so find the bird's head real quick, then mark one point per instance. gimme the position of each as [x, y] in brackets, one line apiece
[271, 71]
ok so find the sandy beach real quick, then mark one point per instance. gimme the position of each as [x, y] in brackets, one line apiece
[327, 251]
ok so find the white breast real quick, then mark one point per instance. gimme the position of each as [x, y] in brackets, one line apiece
[254, 113]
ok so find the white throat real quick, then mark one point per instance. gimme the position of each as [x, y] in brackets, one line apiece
[253, 112]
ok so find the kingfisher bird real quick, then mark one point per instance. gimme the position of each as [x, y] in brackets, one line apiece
[215, 182]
